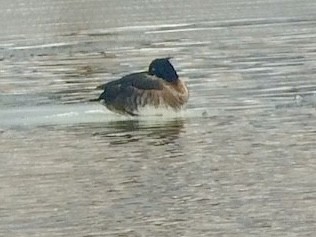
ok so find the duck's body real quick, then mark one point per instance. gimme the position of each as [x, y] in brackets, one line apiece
[160, 87]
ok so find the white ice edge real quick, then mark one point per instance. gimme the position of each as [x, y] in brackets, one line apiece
[75, 114]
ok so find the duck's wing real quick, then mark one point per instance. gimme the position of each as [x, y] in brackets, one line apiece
[139, 80]
[131, 92]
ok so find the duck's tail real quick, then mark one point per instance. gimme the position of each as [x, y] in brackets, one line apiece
[100, 87]
[95, 100]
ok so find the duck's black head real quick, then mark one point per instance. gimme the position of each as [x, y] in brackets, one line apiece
[161, 67]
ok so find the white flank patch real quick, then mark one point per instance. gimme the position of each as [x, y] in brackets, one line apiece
[160, 111]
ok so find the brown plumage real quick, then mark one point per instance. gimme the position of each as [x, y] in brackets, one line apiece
[160, 87]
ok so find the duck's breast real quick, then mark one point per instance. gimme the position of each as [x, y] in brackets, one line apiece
[175, 94]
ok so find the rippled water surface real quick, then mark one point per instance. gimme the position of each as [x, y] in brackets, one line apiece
[239, 161]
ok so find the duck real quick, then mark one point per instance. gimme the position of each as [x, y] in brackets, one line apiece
[158, 87]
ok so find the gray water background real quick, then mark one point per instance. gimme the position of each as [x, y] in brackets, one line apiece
[239, 161]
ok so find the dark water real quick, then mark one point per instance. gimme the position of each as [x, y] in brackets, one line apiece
[239, 161]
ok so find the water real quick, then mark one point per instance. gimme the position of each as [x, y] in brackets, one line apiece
[239, 161]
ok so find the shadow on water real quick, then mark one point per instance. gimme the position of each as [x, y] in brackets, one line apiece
[120, 132]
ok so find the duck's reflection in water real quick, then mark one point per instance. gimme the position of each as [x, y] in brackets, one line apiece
[128, 131]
